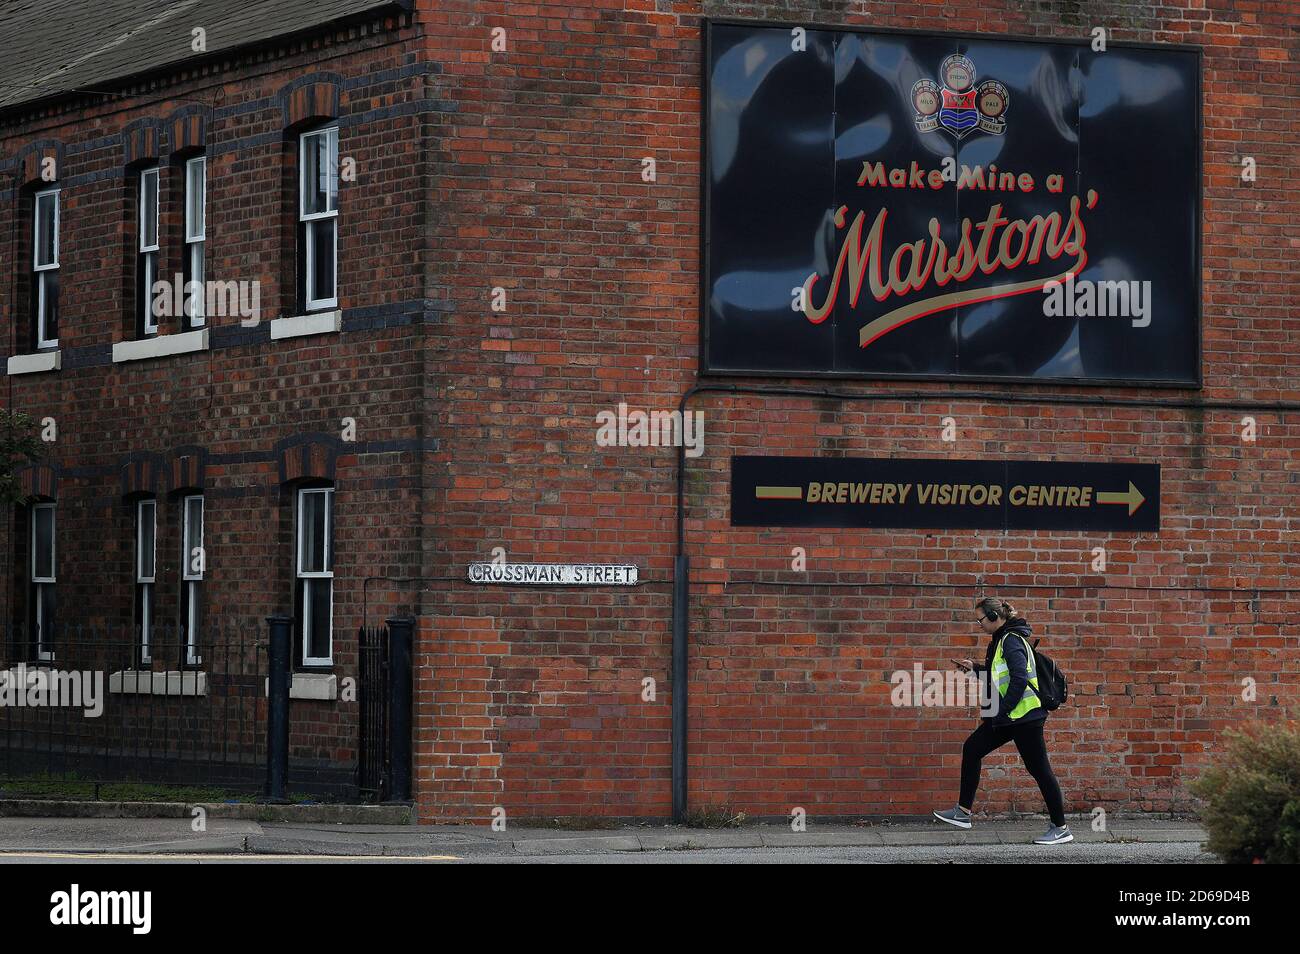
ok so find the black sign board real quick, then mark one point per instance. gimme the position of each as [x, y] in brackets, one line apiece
[943, 494]
[897, 204]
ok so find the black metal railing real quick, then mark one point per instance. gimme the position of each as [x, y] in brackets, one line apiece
[90, 703]
[83, 703]
[384, 762]
[372, 681]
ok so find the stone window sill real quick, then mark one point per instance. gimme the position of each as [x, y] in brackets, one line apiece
[309, 685]
[161, 346]
[36, 363]
[319, 323]
[145, 683]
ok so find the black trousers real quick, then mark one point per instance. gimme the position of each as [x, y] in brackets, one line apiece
[1028, 737]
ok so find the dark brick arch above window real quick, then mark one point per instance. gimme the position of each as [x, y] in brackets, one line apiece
[307, 457]
[310, 99]
[40, 164]
[188, 130]
[188, 469]
[142, 474]
[142, 141]
[38, 481]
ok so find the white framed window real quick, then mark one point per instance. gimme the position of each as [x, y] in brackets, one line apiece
[146, 534]
[194, 563]
[196, 215]
[45, 268]
[43, 578]
[147, 259]
[318, 210]
[315, 570]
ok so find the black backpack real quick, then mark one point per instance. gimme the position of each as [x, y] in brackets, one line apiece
[1053, 687]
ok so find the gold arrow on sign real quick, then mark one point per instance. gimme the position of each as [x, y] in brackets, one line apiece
[1133, 497]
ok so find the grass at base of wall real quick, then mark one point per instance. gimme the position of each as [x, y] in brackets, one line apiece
[714, 816]
[567, 822]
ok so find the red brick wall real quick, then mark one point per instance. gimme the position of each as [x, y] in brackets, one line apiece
[531, 701]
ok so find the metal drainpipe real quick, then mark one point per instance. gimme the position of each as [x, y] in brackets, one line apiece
[681, 563]
[10, 571]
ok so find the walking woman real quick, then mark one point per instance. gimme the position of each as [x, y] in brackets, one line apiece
[1020, 716]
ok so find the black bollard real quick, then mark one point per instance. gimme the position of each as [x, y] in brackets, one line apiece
[277, 718]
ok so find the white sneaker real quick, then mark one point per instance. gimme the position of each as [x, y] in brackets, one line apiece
[955, 816]
[1055, 835]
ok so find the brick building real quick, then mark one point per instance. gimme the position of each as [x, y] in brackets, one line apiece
[506, 272]
[157, 156]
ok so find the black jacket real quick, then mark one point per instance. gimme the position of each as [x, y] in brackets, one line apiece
[1014, 652]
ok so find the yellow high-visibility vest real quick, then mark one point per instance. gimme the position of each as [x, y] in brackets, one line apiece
[1002, 677]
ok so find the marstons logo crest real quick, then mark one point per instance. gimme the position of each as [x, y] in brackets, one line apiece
[959, 106]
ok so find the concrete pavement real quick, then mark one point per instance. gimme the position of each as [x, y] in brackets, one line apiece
[1137, 839]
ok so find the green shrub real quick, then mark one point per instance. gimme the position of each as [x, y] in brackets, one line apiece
[1252, 797]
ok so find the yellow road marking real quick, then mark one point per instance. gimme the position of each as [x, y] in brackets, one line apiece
[209, 856]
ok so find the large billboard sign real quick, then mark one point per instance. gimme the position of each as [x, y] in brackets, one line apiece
[897, 204]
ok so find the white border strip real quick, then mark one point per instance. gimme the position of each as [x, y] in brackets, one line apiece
[555, 574]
